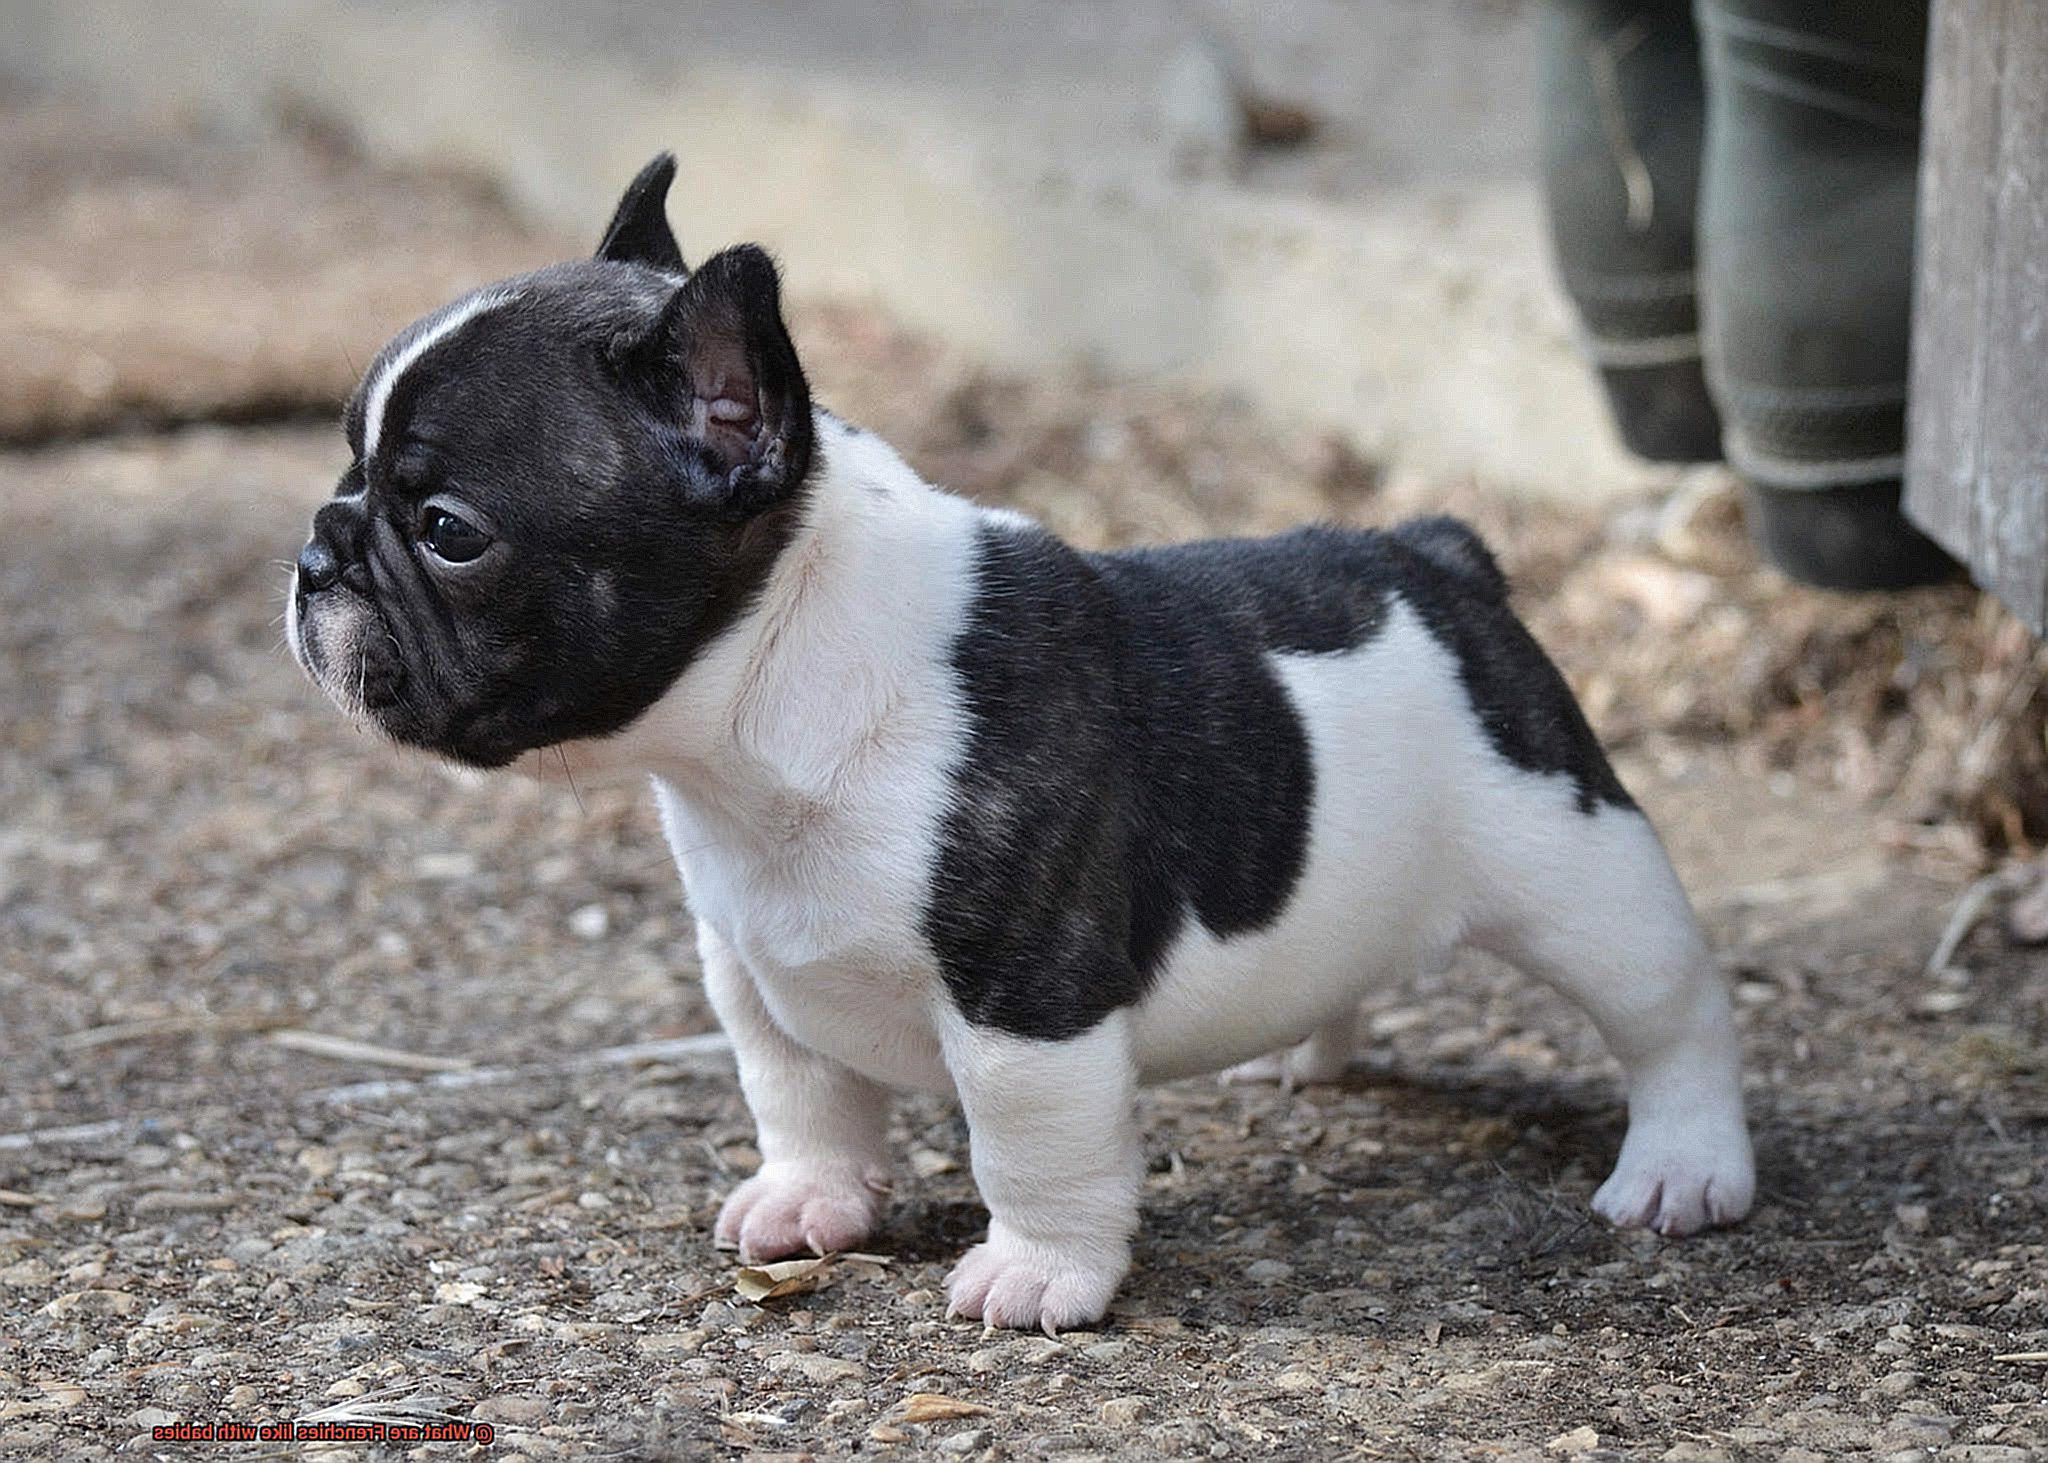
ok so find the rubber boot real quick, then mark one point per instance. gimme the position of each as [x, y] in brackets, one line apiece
[1806, 244]
[1623, 110]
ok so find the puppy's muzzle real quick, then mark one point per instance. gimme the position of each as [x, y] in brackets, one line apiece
[331, 623]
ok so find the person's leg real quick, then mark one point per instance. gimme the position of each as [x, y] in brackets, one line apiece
[1622, 115]
[1806, 245]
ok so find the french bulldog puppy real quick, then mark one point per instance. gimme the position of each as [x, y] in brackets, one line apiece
[959, 808]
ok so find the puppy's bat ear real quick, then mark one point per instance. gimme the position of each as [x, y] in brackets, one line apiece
[723, 364]
[639, 231]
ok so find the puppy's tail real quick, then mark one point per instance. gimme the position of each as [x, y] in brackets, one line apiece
[1457, 548]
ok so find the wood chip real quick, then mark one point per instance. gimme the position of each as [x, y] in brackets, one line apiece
[936, 1407]
[757, 1283]
[16, 1199]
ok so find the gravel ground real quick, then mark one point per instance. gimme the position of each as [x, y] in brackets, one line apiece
[202, 868]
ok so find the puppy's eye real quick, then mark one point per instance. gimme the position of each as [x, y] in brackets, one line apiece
[451, 539]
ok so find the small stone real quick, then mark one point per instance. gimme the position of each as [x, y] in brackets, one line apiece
[973, 1440]
[591, 922]
[1122, 1411]
[1106, 1351]
[883, 1432]
[1899, 1383]
[94, 1303]
[673, 1343]
[510, 1409]
[146, 1418]
[75, 1209]
[1578, 1440]
[445, 865]
[1918, 1430]
[27, 1275]
[591, 1199]
[824, 1370]
[243, 1398]
[1268, 1272]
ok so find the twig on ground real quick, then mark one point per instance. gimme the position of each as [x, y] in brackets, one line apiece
[1969, 911]
[709, 1051]
[342, 1048]
[198, 1023]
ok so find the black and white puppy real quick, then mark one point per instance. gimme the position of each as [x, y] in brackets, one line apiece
[961, 809]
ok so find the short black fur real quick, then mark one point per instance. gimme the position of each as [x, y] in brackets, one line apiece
[639, 232]
[1134, 762]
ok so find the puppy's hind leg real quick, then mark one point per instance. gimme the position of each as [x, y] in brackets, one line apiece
[1598, 914]
[1322, 1057]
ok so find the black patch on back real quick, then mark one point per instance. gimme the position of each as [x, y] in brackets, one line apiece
[1134, 762]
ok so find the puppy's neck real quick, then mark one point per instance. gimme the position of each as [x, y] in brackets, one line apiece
[858, 609]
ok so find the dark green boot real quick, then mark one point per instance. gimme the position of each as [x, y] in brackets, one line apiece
[1622, 115]
[1806, 244]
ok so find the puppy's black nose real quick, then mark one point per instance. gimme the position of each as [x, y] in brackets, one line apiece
[318, 568]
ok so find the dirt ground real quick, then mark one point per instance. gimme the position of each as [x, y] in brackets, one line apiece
[502, 1216]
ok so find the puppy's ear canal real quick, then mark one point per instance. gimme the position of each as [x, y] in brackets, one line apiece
[639, 231]
[745, 407]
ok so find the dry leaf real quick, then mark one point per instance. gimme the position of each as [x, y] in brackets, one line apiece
[934, 1407]
[757, 1283]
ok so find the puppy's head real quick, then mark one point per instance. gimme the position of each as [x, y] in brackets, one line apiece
[562, 487]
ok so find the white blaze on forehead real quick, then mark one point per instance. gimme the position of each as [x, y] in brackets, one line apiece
[447, 324]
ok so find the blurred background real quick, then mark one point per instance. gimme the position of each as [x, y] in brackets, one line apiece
[324, 1087]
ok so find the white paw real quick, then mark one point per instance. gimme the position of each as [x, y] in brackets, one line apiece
[1324, 1057]
[791, 1209]
[1008, 1281]
[1676, 1178]
[1271, 1068]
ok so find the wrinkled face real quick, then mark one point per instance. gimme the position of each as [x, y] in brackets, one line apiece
[561, 488]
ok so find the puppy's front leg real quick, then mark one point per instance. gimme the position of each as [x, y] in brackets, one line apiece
[1056, 1155]
[822, 1129]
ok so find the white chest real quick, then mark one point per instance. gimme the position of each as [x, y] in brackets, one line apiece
[823, 906]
